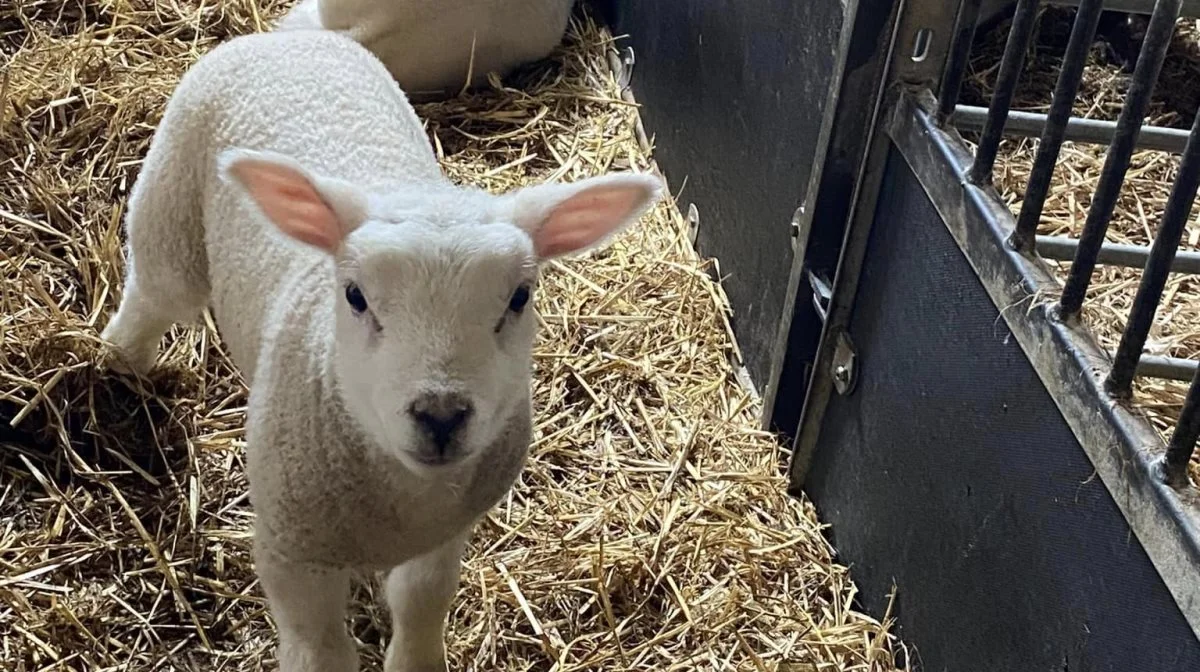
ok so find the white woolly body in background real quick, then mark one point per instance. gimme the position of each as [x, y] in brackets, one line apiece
[428, 45]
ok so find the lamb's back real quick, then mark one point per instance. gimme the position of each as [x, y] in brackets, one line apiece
[318, 97]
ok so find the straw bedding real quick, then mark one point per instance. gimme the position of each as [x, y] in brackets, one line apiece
[1176, 329]
[650, 531]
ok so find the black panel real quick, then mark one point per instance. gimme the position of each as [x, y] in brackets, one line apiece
[733, 93]
[950, 473]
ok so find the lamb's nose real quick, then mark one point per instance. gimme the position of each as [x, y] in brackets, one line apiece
[441, 415]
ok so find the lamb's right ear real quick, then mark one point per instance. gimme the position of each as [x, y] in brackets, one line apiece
[317, 211]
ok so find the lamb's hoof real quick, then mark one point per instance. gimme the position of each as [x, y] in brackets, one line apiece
[129, 361]
[396, 663]
[131, 365]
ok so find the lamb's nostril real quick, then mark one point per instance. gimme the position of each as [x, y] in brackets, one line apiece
[440, 416]
[441, 425]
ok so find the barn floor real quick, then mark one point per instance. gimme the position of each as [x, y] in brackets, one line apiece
[650, 530]
[1176, 331]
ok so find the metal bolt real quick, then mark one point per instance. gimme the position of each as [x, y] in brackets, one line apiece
[841, 373]
[845, 366]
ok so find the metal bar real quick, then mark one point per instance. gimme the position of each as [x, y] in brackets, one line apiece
[958, 59]
[1093, 131]
[1190, 7]
[1121, 445]
[1011, 65]
[1183, 439]
[1158, 265]
[1154, 51]
[1061, 248]
[1078, 46]
[1170, 368]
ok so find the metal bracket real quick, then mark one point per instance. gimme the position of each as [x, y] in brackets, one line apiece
[926, 32]
[626, 75]
[845, 364]
[693, 223]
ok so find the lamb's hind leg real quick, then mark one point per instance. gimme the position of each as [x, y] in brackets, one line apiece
[166, 279]
[420, 593]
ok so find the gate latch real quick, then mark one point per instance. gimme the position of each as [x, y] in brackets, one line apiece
[845, 364]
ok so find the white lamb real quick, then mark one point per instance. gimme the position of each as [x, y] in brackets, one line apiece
[388, 352]
[434, 47]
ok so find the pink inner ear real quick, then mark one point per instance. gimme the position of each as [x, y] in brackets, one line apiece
[584, 220]
[291, 202]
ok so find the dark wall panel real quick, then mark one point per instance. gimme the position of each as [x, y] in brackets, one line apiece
[950, 472]
[733, 93]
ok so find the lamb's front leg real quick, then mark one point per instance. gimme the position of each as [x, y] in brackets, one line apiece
[419, 593]
[309, 607]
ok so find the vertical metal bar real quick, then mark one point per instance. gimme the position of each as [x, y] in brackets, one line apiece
[1078, 46]
[1183, 440]
[958, 59]
[1158, 266]
[1011, 65]
[1154, 50]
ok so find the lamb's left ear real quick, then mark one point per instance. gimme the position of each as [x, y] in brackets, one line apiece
[567, 219]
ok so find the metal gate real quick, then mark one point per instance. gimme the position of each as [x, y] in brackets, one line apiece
[963, 434]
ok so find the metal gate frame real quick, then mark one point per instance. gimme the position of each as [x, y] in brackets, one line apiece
[868, 31]
[1123, 448]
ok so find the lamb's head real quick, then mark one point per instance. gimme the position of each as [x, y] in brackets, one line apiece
[434, 292]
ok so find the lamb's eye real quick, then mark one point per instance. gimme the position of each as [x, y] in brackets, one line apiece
[520, 297]
[354, 297]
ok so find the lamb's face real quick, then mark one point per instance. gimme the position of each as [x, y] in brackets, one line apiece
[435, 329]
